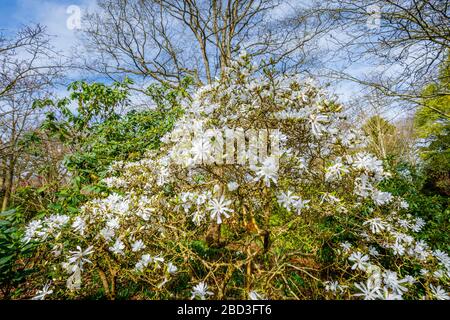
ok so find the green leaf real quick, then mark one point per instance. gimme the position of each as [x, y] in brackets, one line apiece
[5, 259]
[7, 213]
[4, 223]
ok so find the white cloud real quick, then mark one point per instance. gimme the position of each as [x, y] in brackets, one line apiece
[53, 14]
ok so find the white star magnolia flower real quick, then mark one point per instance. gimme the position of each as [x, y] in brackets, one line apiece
[409, 279]
[438, 274]
[137, 246]
[367, 162]
[201, 150]
[78, 257]
[376, 225]
[42, 293]
[335, 172]
[368, 290]
[143, 262]
[442, 256]
[107, 233]
[363, 186]
[31, 230]
[113, 223]
[387, 295]
[158, 260]
[360, 261]
[420, 223]
[268, 171]
[302, 166]
[79, 225]
[398, 249]
[219, 208]
[118, 247]
[346, 246]
[317, 127]
[300, 204]
[381, 198]
[197, 217]
[439, 293]
[253, 295]
[404, 204]
[327, 197]
[391, 281]
[171, 268]
[420, 250]
[232, 186]
[287, 199]
[373, 251]
[424, 272]
[201, 291]
[334, 286]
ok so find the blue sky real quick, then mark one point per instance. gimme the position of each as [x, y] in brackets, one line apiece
[16, 12]
[53, 14]
[7, 9]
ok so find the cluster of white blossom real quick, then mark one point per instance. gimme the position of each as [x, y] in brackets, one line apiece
[175, 196]
[390, 237]
[50, 226]
[292, 202]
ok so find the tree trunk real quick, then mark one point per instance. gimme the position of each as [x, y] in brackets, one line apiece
[8, 183]
[3, 179]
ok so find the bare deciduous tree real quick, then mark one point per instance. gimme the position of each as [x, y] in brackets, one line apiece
[27, 70]
[164, 40]
[403, 40]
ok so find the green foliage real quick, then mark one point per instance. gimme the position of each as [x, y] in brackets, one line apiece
[165, 96]
[14, 254]
[437, 162]
[432, 123]
[95, 134]
[292, 252]
[95, 103]
[99, 134]
[122, 138]
[90, 124]
[407, 182]
[380, 134]
[377, 125]
[429, 119]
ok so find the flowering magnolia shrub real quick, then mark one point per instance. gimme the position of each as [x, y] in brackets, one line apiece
[300, 218]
